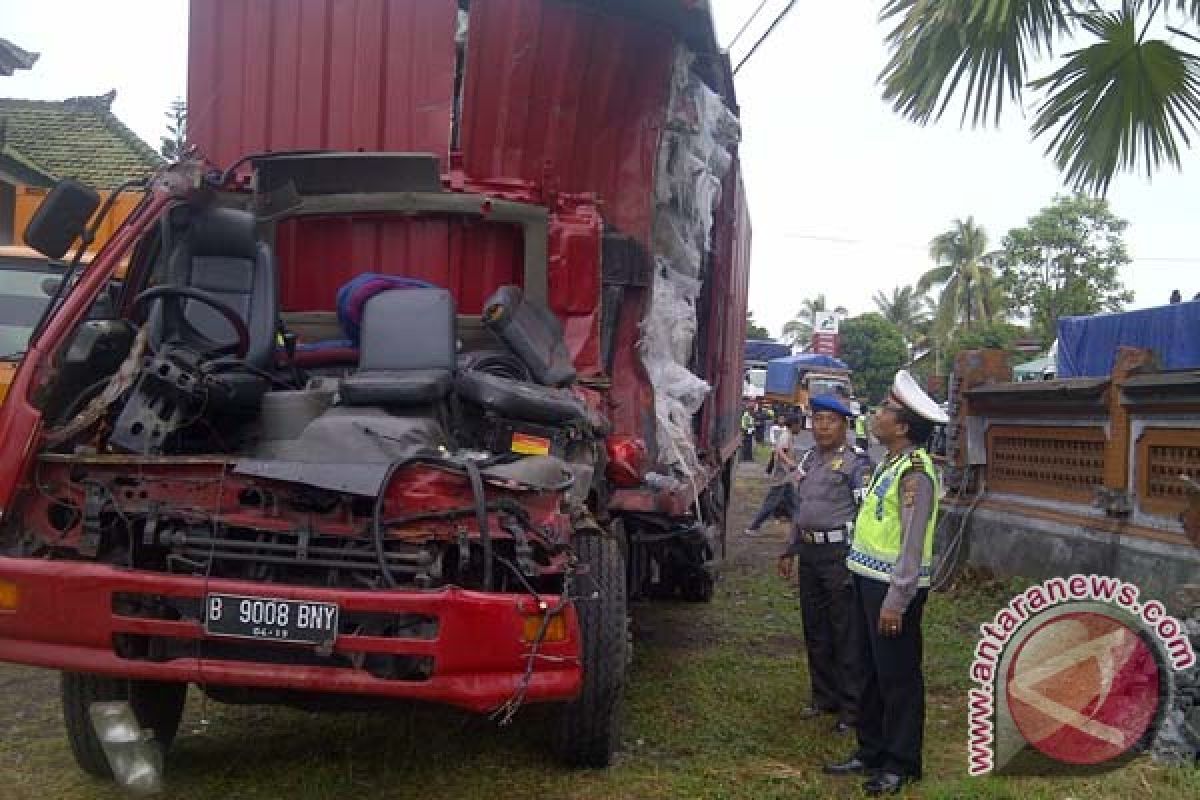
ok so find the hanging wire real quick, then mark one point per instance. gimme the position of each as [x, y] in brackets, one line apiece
[746, 25]
[765, 36]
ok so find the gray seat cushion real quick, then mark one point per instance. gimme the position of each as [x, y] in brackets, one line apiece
[379, 387]
[407, 349]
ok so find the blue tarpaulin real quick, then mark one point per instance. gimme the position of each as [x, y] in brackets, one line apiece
[783, 373]
[1087, 346]
[765, 350]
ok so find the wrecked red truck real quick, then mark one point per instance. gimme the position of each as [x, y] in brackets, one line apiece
[427, 361]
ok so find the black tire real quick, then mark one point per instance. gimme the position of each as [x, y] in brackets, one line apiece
[590, 730]
[158, 706]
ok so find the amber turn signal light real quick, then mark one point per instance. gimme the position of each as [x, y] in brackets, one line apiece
[10, 595]
[556, 628]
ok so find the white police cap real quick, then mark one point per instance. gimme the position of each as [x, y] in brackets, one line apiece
[915, 400]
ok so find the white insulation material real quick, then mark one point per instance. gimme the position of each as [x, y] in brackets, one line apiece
[693, 159]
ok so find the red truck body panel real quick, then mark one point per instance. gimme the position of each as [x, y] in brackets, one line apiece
[375, 75]
[563, 105]
[66, 620]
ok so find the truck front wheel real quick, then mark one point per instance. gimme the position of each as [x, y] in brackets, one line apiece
[590, 730]
[158, 706]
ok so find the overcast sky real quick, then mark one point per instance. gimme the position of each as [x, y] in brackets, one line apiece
[844, 194]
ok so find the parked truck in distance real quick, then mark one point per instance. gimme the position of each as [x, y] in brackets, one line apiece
[793, 380]
[758, 353]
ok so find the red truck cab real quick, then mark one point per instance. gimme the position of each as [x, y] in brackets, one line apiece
[389, 418]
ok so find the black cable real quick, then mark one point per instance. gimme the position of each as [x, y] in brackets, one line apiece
[525, 584]
[763, 38]
[481, 516]
[377, 528]
[503, 504]
[746, 25]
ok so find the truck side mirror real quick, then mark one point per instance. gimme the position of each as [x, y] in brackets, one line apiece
[61, 218]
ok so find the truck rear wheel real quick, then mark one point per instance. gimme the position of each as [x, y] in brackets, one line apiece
[158, 706]
[590, 730]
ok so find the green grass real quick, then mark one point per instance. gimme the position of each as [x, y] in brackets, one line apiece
[712, 713]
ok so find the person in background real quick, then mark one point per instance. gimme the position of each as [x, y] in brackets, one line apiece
[1176, 297]
[892, 558]
[783, 461]
[861, 441]
[762, 420]
[747, 425]
[827, 490]
[774, 431]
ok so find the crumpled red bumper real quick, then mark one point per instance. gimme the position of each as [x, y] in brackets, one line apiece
[65, 620]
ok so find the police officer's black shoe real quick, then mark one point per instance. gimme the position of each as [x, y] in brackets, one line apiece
[851, 766]
[887, 783]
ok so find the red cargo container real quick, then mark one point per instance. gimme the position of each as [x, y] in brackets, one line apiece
[583, 151]
[571, 99]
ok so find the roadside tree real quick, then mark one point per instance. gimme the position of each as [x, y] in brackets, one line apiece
[1065, 262]
[753, 329]
[874, 349]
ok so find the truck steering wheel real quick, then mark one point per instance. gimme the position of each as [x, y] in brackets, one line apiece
[239, 348]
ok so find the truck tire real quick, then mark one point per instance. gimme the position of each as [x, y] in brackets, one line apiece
[158, 706]
[590, 729]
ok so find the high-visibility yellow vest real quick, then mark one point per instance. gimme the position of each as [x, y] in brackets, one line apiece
[860, 426]
[878, 535]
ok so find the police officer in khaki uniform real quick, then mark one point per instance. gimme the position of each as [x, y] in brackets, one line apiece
[826, 494]
[892, 559]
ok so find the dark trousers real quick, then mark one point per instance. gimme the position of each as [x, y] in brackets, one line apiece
[827, 605]
[747, 446]
[777, 501]
[891, 709]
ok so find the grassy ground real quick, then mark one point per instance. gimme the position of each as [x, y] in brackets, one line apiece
[712, 714]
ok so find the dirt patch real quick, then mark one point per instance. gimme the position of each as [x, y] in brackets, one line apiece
[782, 645]
[666, 633]
[27, 693]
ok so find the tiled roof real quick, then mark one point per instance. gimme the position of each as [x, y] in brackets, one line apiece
[76, 138]
[13, 58]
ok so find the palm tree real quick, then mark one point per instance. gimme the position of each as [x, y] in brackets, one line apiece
[904, 309]
[798, 331]
[1120, 101]
[969, 287]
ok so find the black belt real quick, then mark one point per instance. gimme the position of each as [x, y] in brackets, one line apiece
[835, 536]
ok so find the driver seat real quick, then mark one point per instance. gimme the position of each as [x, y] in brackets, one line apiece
[218, 251]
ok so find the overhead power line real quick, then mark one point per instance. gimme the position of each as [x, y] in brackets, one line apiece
[814, 237]
[747, 24]
[791, 4]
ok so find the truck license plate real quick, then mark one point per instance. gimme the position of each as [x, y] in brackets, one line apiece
[270, 618]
